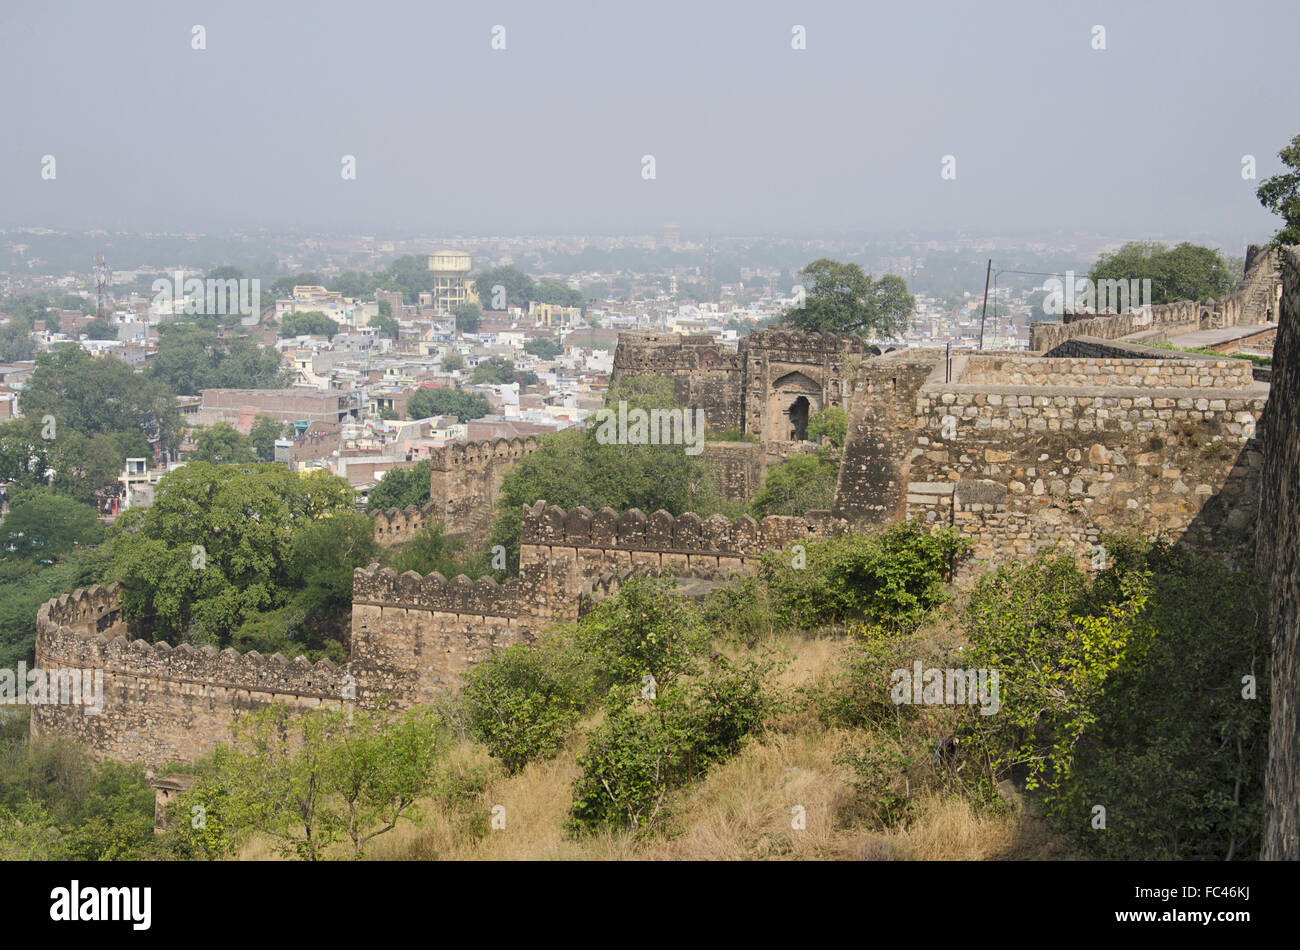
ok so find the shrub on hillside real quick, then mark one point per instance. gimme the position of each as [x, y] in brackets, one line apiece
[891, 576]
[646, 749]
[524, 702]
[1145, 691]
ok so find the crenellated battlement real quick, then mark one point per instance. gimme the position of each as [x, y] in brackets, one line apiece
[458, 454]
[93, 610]
[433, 592]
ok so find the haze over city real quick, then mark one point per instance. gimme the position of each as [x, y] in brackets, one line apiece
[749, 135]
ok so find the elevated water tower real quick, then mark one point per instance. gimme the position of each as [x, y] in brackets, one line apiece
[450, 278]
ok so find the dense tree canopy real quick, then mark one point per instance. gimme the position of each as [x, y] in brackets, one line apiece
[215, 549]
[465, 406]
[468, 317]
[308, 323]
[385, 325]
[841, 298]
[572, 468]
[543, 349]
[499, 371]
[41, 524]
[191, 358]
[401, 488]
[99, 395]
[82, 467]
[222, 442]
[1185, 272]
[517, 288]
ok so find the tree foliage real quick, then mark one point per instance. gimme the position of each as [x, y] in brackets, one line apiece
[222, 442]
[1185, 272]
[308, 323]
[310, 781]
[517, 288]
[213, 549]
[192, 358]
[800, 484]
[42, 524]
[842, 298]
[1281, 194]
[891, 577]
[465, 406]
[402, 488]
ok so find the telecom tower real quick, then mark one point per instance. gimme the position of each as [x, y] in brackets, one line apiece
[708, 269]
[103, 279]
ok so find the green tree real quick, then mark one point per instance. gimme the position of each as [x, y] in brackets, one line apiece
[524, 702]
[465, 406]
[16, 340]
[499, 371]
[222, 442]
[100, 330]
[890, 577]
[543, 348]
[1281, 194]
[263, 434]
[308, 323]
[99, 395]
[432, 549]
[559, 294]
[468, 317]
[452, 361]
[192, 358]
[41, 524]
[1185, 272]
[84, 467]
[800, 484]
[830, 422]
[212, 550]
[309, 781]
[386, 325]
[841, 298]
[402, 488]
[517, 288]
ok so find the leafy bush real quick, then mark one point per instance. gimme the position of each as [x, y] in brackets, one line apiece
[740, 612]
[800, 484]
[646, 629]
[1129, 693]
[657, 737]
[524, 702]
[830, 422]
[647, 749]
[891, 576]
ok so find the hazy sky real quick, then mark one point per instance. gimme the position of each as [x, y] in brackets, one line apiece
[748, 134]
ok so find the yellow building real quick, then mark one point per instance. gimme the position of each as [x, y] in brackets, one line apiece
[553, 315]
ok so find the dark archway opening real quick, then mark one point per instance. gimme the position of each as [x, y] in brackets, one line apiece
[798, 413]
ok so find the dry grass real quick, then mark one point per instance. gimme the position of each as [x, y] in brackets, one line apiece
[742, 810]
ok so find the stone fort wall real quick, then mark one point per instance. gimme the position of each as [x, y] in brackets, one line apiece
[1021, 454]
[1278, 559]
[161, 703]
[465, 483]
[751, 388]
[1254, 302]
